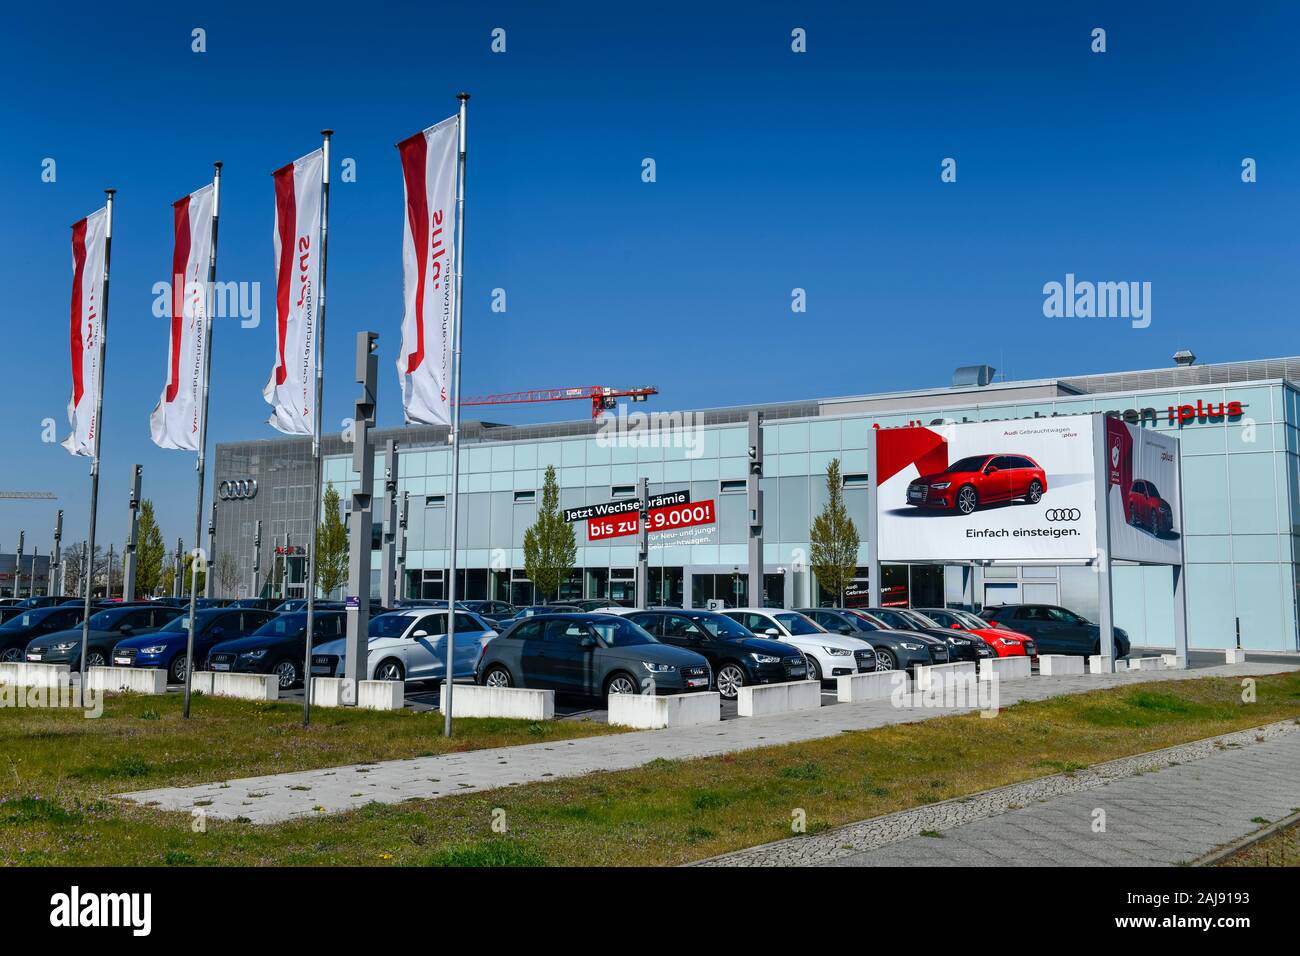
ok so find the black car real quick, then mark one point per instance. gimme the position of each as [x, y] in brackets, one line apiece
[895, 650]
[27, 625]
[277, 646]
[1056, 630]
[107, 627]
[494, 612]
[300, 604]
[595, 604]
[589, 654]
[737, 657]
[258, 603]
[897, 619]
[961, 646]
[47, 600]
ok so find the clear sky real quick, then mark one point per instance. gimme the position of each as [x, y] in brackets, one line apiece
[775, 170]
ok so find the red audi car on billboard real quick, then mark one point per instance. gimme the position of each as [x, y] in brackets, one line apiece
[1146, 509]
[977, 480]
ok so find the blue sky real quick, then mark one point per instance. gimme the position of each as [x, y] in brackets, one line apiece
[775, 170]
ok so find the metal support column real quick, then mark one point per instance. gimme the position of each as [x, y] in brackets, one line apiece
[357, 599]
[754, 497]
[129, 556]
[388, 546]
[643, 545]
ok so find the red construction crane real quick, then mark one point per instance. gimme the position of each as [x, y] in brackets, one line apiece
[603, 398]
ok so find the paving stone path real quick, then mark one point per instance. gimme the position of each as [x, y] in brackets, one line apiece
[278, 797]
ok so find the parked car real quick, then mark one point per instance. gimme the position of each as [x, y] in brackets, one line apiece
[1005, 642]
[29, 624]
[410, 644]
[107, 628]
[493, 612]
[532, 610]
[961, 646]
[736, 657]
[165, 648]
[46, 600]
[278, 646]
[1056, 630]
[828, 655]
[261, 603]
[968, 484]
[1146, 509]
[594, 655]
[596, 604]
[895, 650]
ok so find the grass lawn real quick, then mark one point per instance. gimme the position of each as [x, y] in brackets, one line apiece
[1279, 849]
[670, 811]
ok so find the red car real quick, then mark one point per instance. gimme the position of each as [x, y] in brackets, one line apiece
[1004, 641]
[1146, 509]
[978, 480]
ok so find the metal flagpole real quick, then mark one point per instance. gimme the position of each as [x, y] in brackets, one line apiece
[310, 583]
[99, 430]
[455, 415]
[203, 438]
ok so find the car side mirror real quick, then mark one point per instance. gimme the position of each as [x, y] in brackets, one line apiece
[955, 627]
[771, 632]
[126, 629]
[844, 629]
[218, 631]
[990, 469]
[586, 641]
[418, 634]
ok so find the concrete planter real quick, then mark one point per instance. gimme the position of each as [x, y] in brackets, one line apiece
[135, 680]
[327, 692]
[1173, 661]
[201, 682]
[1234, 655]
[855, 688]
[471, 700]
[1059, 665]
[758, 700]
[22, 674]
[264, 687]
[1101, 664]
[937, 676]
[1005, 668]
[381, 694]
[650, 712]
[1145, 663]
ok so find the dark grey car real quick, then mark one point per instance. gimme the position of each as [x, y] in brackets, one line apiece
[589, 654]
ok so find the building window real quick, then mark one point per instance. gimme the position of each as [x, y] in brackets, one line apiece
[622, 491]
[525, 497]
[856, 481]
[435, 501]
[735, 486]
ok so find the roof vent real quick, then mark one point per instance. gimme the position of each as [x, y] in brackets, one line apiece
[979, 375]
[1184, 357]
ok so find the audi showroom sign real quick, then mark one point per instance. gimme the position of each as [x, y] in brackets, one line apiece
[238, 489]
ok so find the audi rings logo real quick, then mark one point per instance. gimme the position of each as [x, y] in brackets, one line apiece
[238, 489]
[1063, 514]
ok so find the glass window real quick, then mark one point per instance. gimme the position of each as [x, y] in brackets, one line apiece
[620, 632]
[797, 624]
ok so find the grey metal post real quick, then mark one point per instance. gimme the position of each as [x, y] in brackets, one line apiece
[1180, 575]
[129, 558]
[401, 545]
[360, 522]
[643, 546]
[388, 547]
[873, 522]
[178, 562]
[57, 571]
[257, 560]
[32, 577]
[18, 565]
[754, 493]
[1103, 564]
[212, 550]
[450, 672]
[284, 569]
[108, 575]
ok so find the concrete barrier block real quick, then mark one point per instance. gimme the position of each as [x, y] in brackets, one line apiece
[201, 682]
[1173, 661]
[327, 692]
[1234, 655]
[1059, 665]
[651, 712]
[1006, 668]
[263, 687]
[937, 676]
[1145, 664]
[22, 674]
[472, 700]
[758, 700]
[136, 680]
[1101, 664]
[381, 694]
[855, 688]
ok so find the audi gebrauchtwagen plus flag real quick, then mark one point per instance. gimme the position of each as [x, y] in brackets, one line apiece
[175, 420]
[291, 390]
[428, 249]
[89, 241]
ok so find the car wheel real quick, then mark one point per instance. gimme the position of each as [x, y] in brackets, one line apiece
[497, 676]
[287, 671]
[176, 669]
[968, 499]
[731, 677]
[885, 660]
[390, 670]
[814, 670]
[1035, 492]
[95, 659]
[620, 684]
[1155, 522]
[11, 654]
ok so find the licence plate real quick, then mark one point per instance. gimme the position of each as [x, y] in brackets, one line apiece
[320, 669]
[914, 493]
[697, 682]
[124, 661]
[221, 667]
[796, 671]
[33, 657]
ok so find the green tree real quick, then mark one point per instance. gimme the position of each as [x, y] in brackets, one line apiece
[834, 538]
[550, 548]
[189, 577]
[149, 552]
[331, 545]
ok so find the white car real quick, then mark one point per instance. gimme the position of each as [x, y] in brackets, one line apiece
[828, 655]
[410, 645]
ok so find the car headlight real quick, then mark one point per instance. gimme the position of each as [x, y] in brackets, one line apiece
[765, 659]
[253, 655]
[155, 649]
[958, 641]
[911, 647]
[838, 651]
[65, 646]
[654, 668]
[1008, 642]
[941, 485]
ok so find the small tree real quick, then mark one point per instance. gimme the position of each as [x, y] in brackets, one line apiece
[550, 548]
[227, 571]
[188, 579]
[331, 545]
[150, 552]
[834, 538]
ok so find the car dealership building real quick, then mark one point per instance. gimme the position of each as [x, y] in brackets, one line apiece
[1236, 422]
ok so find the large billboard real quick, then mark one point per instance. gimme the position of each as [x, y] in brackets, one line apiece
[1142, 489]
[1009, 490]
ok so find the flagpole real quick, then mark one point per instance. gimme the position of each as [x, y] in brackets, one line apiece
[315, 438]
[99, 426]
[203, 434]
[455, 415]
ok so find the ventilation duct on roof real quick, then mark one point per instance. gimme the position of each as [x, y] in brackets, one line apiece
[972, 375]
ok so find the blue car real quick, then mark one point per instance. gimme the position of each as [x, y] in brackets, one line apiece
[165, 648]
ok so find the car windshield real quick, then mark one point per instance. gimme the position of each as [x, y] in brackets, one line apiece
[26, 619]
[797, 624]
[388, 625]
[969, 619]
[285, 624]
[721, 627]
[921, 619]
[180, 623]
[619, 632]
[107, 620]
[869, 619]
[974, 463]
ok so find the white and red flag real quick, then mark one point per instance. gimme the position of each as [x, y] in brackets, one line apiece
[291, 390]
[89, 245]
[177, 418]
[428, 251]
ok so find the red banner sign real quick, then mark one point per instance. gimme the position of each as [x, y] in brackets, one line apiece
[669, 518]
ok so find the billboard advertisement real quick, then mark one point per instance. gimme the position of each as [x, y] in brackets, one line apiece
[1008, 490]
[1142, 490]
